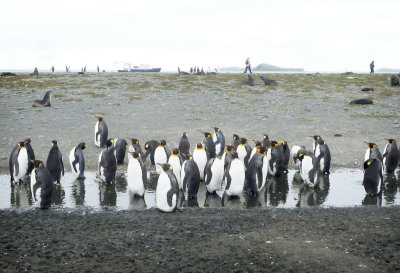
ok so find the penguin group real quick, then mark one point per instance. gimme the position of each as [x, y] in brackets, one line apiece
[222, 167]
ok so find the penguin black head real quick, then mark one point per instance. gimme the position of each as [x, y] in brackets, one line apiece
[243, 140]
[134, 141]
[100, 118]
[368, 163]
[27, 140]
[257, 143]
[234, 154]
[135, 154]
[81, 145]
[274, 143]
[21, 144]
[166, 167]
[371, 145]
[54, 143]
[301, 156]
[207, 135]
[199, 146]
[109, 142]
[216, 129]
[184, 134]
[37, 163]
[175, 151]
[266, 136]
[320, 141]
[391, 140]
[163, 142]
[235, 137]
[260, 149]
[316, 137]
[229, 148]
[283, 143]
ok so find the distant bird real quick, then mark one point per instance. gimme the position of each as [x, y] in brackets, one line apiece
[373, 177]
[41, 185]
[390, 156]
[55, 164]
[219, 141]
[108, 163]
[100, 132]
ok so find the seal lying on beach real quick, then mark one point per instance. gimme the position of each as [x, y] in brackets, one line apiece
[44, 102]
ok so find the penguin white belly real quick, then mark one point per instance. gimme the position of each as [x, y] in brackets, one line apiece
[163, 186]
[268, 159]
[22, 164]
[241, 150]
[96, 136]
[182, 175]
[253, 152]
[223, 157]
[71, 159]
[214, 137]
[293, 153]
[200, 157]
[160, 156]
[384, 157]
[217, 148]
[135, 178]
[306, 167]
[101, 169]
[264, 169]
[237, 174]
[36, 201]
[367, 154]
[175, 162]
[217, 170]
[321, 164]
[131, 149]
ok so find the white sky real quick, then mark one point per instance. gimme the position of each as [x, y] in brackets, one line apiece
[315, 35]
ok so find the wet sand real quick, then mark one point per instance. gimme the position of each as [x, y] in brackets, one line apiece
[162, 106]
[362, 239]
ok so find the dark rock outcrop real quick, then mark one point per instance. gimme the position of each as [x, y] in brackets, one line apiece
[268, 81]
[367, 89]
[361, 101]
[8, 74]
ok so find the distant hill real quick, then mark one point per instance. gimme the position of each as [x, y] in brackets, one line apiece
[261, 67]
[388, 70]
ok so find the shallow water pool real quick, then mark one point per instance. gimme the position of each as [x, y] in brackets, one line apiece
[342, 188]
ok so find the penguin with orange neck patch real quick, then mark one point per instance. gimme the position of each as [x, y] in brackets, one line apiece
[390, 156]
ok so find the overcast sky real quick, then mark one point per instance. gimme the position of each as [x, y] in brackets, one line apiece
[314, 35]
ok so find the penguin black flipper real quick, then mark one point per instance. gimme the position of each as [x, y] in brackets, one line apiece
[14, 162]
[228, 178]
[35, 187]
[167, 152]
[144, 173]
[62, 164]
[174, 189]
[145, 155]
[260, 177]
[208, 173]
[185, 180]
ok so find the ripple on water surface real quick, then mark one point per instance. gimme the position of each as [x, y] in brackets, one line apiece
[342, 188]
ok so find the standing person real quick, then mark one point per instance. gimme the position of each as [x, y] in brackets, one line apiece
[98, 69]
[248, 66]
[52, 68]
[66, 69]
[372, 66]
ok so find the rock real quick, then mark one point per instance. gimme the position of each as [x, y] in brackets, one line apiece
[394, 80]
[361, 101]
[250, 80]
[347, 73]
[337, 135]
[268, 81]
[8, 74]
[367, 89]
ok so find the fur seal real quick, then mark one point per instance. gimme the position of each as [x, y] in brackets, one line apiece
[44, 102]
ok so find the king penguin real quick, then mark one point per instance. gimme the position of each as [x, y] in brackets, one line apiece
[31, 154]
[209, 145]
[150, 147]
[54, 163]
[266, 142]
[227, 157]
[161, 155]
[134, 147]
[286, 156]
[214, 174]
[175, 161]
[390, 156]
[234, 176]
[254, 150]
[137, 175]
[373, 152]
[244, 151]
[373, 176]
[18, 162]
[120, 147]
[236, 141]
[100, 133]
[190, 178]
[219, 141]
[41, 185]
[167, 190]
[108, 163]
[309, 169]
[294, 153]
[323, 155]
[200, 157]
[77, 161]
[275, 159]
[254, 173]
[184, 146]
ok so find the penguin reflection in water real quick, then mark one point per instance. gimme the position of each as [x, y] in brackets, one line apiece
[108, 163]
[167, 190]
[41, 185]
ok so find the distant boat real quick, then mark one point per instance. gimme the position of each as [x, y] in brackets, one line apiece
[141, 68]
